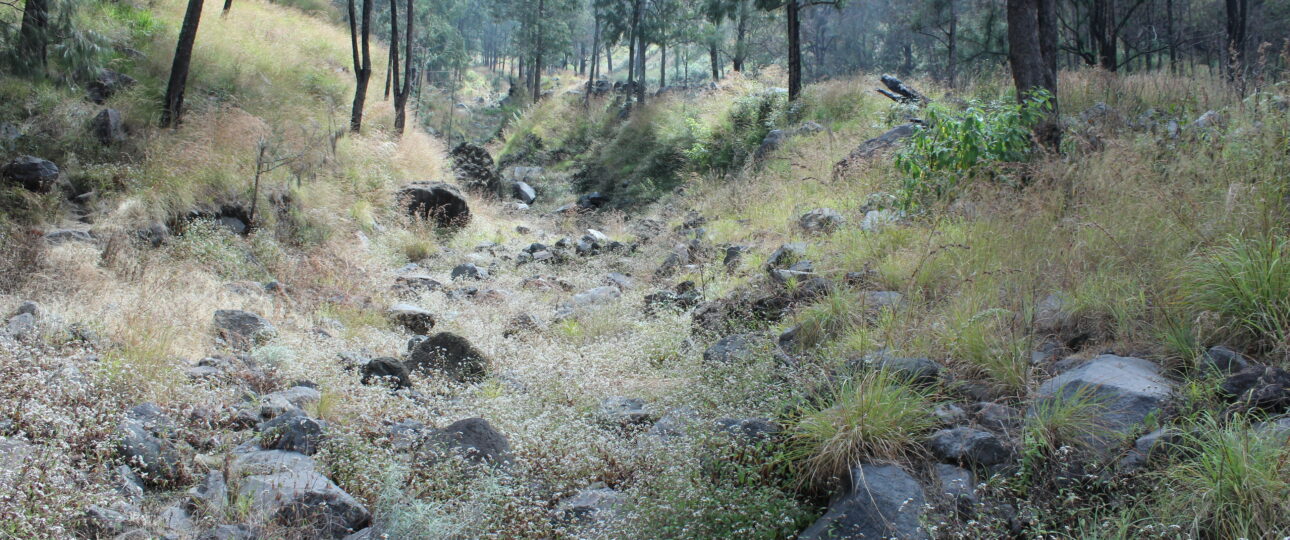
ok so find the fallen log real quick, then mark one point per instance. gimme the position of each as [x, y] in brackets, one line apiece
[900, 92]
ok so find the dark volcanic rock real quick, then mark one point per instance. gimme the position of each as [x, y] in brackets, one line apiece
[32, 173]
[475, 169]
[882, 501]
[967, 446]
[473, 439]
[106, 85]
[243, 329]
[108, 127]
[451, 355]
[415, 319]
[386, 371]
[436, 201]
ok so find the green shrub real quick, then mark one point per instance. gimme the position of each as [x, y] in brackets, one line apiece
[874, 416]
[1246, 282]
[954, 147]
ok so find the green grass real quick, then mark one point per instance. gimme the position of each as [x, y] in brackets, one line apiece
[873, 417]
[1246, 282]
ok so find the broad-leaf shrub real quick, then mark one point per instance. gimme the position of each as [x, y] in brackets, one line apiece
[954, 147]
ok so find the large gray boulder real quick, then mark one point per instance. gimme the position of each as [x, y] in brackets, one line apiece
[243, 329]
[451, 355]
[284, 487]
[882, 501]
[1126, 389]
[32, 173]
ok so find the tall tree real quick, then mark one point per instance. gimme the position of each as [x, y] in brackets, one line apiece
[1032, 52]
[173, 109]
[360, 31]
[1237, 24]
[793, 23]
[401, 92]
[33, 36]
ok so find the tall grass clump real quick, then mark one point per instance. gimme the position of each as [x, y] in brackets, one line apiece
[874, 416]
[1235, 485]
[1067, 424]
[1246, 282]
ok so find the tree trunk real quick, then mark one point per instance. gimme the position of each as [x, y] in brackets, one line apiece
[1033, 61]
[716, 61]
[228, 4]
[537, 59]
[172, 112]
[662, 66]
[741, 37]
[952, 40]
[33, 37]
[595, 58]
[409, 75]
[609, 58]
[1237, 19]
[794, 50]
[363, 64]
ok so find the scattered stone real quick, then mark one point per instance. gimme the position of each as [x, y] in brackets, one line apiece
[436, 201]
[957, 487]
[786, 256]
[388, 371]
[877, 220]
[143, 443]
[619, 411]
[1054, 319]
[592, 201]
[108, 127]
[293, 431]
[524, 192]
[416, 283]
[734, 256]
[600, 504]
[230, 532]
[107, 84]
[1128, 389]
[211, 495]
[739, 348]
[1152, 446]
[523, 323]
[414, 319]
[822, 220]
[748, 430]
[451, 355]
[469, 271]
[879, 300]
[21, 327]
[949, 414]
[1258, 388]
[918, 371]
[269, 406]
[997, 417]
[103, 522]
[597, 296]
[882, 501]
[473, 439]
[32, 173]
[674, 423]
[968, 446]
[285, 487]
[243, 329]
[1224, 360]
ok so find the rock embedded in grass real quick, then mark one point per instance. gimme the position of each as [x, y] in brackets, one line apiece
[1126, 390]
[388, 371]
[435, 201]
[881, 501]
[143, 442]
[821, 221]
[967, 446]
[738, 348]
[243, 329]
[451, 355]
[31, 173]
[473, 439]
[415, 319]
[524, 192]
[108, 127]
[293, 431]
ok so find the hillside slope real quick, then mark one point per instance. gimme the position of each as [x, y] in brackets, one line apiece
[734, 337]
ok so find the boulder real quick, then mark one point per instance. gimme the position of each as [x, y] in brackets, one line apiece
[786, 256]
[474, 440]
[469, 271]
[387, 371]
[1152, 446]
[881, 501]
[293, 431]
[414, 319]
[522, 323]
[451, 355]
[284, 487]
[597, 504]
[21, 327]
[243, 329]
[107, 84]
[968, 446]
[143, 444]
[436, 201]
[596, 297]
[620, 411]
[108, 127]
[821, 220]
[269, 406]
[1223, 360]
[739, 348]
[524, 192]
[102, 522]
[417, 283]
[474, 168]
[32, 173]
[1127, 389]
[957, 488]
[210, 496]
[1264, 389]
[748, 430]
[592, 201]
[230, 532]
[917, 371]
